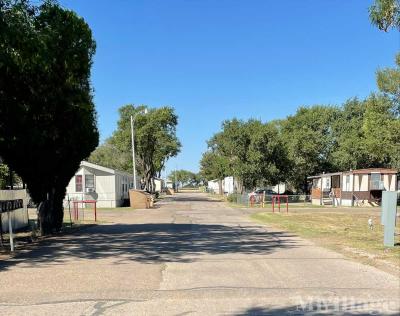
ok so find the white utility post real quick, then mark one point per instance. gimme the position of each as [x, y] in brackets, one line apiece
[10, 231]
[176, 183]
[133, 146]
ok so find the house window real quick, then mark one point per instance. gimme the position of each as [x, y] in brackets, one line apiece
[89, 181]
[348, 183]
[376, 183]
[328, 183]
[335, 181]
[78, 183]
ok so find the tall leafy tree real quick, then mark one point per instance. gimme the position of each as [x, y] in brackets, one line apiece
[251, 151]
[351, 151]
[214, 166]
[155, 142]
[268, 161]
[111, 156]
[310, 142]
[381, 128]
[48, 120]
[184, 177]
[388, 81]
[385, 14]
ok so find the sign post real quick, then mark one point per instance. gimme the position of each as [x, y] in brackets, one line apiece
[10, 231]
[8, 206]
[388, 217]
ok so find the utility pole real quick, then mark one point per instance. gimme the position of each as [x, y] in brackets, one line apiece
[176, 183]
[144, 111]
[133, 155]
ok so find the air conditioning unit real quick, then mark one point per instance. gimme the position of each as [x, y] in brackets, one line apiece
[90, 190]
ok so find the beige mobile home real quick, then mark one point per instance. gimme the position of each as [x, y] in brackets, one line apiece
[354, 187]
[109, 187]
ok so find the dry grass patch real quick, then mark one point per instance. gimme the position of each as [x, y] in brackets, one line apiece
[345, 230]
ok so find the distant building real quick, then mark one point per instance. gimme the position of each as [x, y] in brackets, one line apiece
[279, 188]
[159, 185]
[109, 187]
[169, 184]
[228, 185]
[213, 186]
[354, 187]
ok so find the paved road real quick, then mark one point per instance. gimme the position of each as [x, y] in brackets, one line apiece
[189, 256]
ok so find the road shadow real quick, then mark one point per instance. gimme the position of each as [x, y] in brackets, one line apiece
[198, 197]
[326, 307]
[152, 243]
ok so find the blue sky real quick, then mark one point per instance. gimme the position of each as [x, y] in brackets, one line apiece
[214, 59]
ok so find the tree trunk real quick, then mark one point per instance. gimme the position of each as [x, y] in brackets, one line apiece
[153, 185]
[51, 213]
[220, 187]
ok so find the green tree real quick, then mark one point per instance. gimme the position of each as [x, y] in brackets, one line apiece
[47, 114]
[381, 128]
[214, 166]
[184, 177]
[4, 176]
[385, 14]
[155, 142]
[268, 162]
[232, 143]
[310, 142]
[109, 155]
[351, 151]
[388, 81]
[252, 152]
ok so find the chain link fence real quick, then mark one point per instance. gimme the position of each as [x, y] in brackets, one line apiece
[261, 200]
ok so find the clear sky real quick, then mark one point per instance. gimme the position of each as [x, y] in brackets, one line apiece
[214, 59]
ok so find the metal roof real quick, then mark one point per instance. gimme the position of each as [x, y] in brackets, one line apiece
[357, 171]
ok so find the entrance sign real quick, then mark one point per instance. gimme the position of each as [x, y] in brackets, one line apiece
[8, 206]
[11, 205]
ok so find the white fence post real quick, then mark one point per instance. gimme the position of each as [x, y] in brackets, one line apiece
[10, 231]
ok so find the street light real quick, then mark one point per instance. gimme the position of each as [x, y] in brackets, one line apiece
[133, 117]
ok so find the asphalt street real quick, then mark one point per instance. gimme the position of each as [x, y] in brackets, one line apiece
[191, 255]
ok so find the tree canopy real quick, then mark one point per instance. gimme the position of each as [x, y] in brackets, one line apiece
[251, 151]
[316, 139]
[185, 177]
[155, 142]
[385, 14]
[48, 119]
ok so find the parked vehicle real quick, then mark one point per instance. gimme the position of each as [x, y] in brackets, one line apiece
[261, 191]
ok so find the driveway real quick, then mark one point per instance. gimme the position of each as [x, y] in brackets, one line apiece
[189, 256]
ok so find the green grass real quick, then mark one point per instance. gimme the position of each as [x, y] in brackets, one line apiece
[343, 230]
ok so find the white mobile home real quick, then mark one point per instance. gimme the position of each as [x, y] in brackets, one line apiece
[213, 186]
[109, 187]
[228, 185]
[159, 184]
